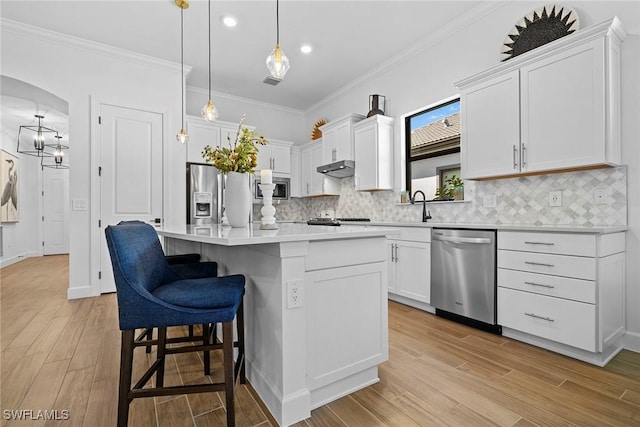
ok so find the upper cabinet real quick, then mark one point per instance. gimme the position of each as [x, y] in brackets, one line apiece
[554, 108]
[202, 133]
[337, 139]
[373, 153]
[276, 155]
[313, 183]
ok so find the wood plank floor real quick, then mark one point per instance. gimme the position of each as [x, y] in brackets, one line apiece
[64, 355]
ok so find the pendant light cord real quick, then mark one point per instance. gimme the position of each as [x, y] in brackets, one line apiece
[182, 66]
[277, 21]
[209, 20]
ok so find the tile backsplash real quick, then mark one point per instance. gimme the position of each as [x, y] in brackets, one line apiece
[519, 201]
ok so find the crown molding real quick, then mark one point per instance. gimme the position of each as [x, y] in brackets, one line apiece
[472, 16]
[48, 36]
[246, 100]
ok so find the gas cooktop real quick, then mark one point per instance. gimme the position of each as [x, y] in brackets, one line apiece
[334, 221]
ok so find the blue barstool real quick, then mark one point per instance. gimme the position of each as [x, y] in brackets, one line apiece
[152, 295]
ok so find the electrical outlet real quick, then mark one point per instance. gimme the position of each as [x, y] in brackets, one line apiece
[489, 201]
[294, 293]
[600, 196]
[555, 198]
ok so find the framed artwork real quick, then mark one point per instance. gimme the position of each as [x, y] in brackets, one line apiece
[9, 187]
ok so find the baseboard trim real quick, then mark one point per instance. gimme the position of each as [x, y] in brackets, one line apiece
[631, 341]
[81, 292]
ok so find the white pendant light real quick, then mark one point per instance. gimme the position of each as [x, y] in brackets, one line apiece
[209, 112]
[182, 136]
[277, 62]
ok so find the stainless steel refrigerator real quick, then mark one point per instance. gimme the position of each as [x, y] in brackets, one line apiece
[204, 194]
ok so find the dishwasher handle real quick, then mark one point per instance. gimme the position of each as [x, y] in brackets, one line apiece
[473, 240]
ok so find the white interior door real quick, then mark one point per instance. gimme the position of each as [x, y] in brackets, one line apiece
[55, 201]
[131, 145]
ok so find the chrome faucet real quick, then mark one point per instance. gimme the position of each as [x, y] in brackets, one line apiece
[425, 215]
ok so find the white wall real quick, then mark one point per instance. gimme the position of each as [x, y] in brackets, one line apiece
[79, 72]
[427, 75]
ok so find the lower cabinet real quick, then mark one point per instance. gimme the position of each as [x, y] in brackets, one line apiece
[410, 264]
[563, 291]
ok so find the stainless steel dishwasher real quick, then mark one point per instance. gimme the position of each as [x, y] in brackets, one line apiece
[463, 276]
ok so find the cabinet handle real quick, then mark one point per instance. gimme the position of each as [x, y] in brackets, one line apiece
[307, 188]
[539, 243]
[548, 319]
[515, 164]
[539, 284]
[393, 252]
[524, 156]
[333, 155]
[539, 263]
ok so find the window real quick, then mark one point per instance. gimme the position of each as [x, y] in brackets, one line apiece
[432, 142]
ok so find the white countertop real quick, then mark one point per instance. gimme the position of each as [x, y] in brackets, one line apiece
[504, 227]
[287, 232]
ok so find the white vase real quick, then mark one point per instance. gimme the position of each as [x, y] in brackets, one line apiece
[237, 201]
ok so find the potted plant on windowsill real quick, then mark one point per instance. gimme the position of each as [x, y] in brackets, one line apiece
[453, 189]
[237, 161]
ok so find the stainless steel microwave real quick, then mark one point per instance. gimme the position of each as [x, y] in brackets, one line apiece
[280, 192]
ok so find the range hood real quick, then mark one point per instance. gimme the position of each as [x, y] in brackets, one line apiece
[340, 169]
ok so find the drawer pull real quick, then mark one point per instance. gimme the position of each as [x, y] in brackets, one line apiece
[539, 263]
[539, 243]
[539, 284]
[548, 319]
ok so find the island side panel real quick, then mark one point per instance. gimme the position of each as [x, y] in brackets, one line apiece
[275, 335]
[347, 319]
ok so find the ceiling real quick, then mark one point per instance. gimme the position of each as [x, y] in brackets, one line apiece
[349, 38]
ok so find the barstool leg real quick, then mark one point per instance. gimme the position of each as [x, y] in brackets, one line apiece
[162, 345]
[240, 327]
[149, 338]
[206, 340]
[126, 368]
[227, 349]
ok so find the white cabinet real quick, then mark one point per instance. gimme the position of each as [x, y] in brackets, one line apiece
[201, 133]
[337, 139]
[312, 182]
[563, 291]
[373, 153]
[410, 263]
[553, 108]
[276, 155]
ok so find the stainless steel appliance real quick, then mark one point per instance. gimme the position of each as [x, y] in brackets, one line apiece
[280, 192]
[463, 276]
[204, 194]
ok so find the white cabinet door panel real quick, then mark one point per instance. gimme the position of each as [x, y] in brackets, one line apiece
[563, 109]
[413, 270]
[490, 117]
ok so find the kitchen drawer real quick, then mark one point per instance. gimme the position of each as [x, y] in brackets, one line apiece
[552, 243]
[558, 265]
[567, 322]
[414, 234]
[555, 286]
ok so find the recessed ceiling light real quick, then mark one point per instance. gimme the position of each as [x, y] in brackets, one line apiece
[229, 21]
[306, 48]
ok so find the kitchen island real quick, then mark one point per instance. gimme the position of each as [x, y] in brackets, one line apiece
[315, 306]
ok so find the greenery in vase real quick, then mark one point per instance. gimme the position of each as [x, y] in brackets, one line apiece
[240, 156]
[452, 186]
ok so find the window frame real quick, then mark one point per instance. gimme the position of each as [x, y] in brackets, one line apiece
[406, 122]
